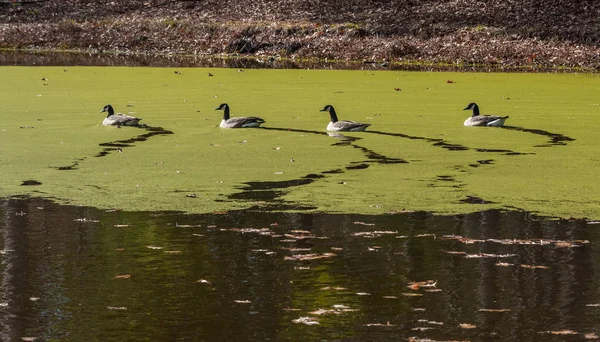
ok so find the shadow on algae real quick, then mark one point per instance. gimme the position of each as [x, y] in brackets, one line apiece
[417, 156]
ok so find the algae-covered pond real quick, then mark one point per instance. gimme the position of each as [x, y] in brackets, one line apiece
[416, 155]
[419, 228]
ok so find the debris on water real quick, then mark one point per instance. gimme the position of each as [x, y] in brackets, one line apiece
[123, 276]
[591, 336]
[291, 309]
[335, 288]
[535, 267]
[119, 308]
[416, 285]
[421, 328]
[373, 234]
[312, 256]
[187, 225]
[425, 235]
[485, 255]
[86, 220]
[364, 223]
[494, 310]
[338, 309]
[34, 299]
[504, 264]
[363, 294]
[306, 320]
[203, 281]
[154, 247]
[467, 326]
[242, 301]
[28, 338]
[595, 305]
[173, 252]
[388, 324]
[430, 322]
[456, 252]
[412, 294]
[121, 225]
[559, 332]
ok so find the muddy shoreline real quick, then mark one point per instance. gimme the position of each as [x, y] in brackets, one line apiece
[418, 35]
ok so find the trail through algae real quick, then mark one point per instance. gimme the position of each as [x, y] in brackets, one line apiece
[418, 155]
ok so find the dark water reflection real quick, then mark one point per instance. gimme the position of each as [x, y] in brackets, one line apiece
[76, 273]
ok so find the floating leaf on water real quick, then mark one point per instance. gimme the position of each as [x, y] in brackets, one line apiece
[121, 225]
[380, 325]
[34, 299]
[306, 320]
[335, 288]
[199, 235]
[203, 281]
[421, 328]
[415, 285]
[302, 267]
[334, 311]
[591, 336]
[433, 290]
[410, 294]
[336, 248]
[430, 322]
[242, 301]
[364, 223]
[187, 225]
[503, 264]
[312, 256]
[363, 293]
[123, 276]
[119, 249]
[28, 338]
[3, 305]
[467, 326]
[485, 255]
[86, 220]
[494, 310]
[559, 332]
[173, 252]
[291, 309]
[390, 297]
[425, 235]
[297, 249]
[534, 267]
[456, 252]
[596, 305]
[401, 237]
[154, 247]
[120, 308]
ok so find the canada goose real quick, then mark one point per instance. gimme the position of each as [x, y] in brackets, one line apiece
[113, 119]
[342, 125]
[239, 122]
[483, 120]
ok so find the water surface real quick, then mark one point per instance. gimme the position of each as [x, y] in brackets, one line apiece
[74, 273]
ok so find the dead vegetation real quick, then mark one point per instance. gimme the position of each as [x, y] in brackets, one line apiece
[501, 33]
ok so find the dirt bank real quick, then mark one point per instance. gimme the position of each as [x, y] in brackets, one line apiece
[493, 33]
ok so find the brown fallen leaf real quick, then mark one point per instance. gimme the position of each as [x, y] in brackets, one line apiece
[123, 276]
[534, 267]
[591, 336]
[467, 326]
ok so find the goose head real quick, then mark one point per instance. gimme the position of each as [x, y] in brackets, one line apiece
[225, 108]
[108, 108]
[473, 106]
[331, 110]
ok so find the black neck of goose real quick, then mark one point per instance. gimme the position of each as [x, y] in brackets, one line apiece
[475, 110]
[333, 115]
[110, 111]
[226, 113]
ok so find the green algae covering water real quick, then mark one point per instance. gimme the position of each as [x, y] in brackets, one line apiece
[416, 155]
